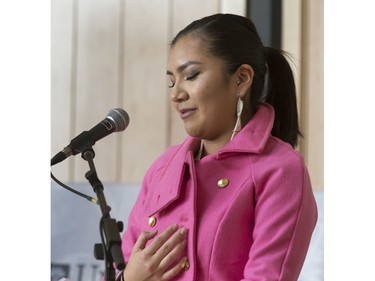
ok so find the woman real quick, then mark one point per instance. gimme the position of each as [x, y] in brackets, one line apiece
[234, 200]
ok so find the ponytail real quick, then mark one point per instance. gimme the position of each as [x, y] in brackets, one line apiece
[281, 94]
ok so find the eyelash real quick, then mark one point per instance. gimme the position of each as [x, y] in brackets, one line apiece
[191, 77]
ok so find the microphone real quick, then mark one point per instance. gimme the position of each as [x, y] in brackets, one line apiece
[116, 121]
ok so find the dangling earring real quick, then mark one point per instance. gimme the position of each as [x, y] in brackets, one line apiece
[238, 125]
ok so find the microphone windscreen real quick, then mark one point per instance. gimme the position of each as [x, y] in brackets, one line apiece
[120, 119]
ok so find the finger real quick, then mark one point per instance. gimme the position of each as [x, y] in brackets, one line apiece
[174, 271]
[170, 245]
[172, 256]
[145, 236]
[160, 240]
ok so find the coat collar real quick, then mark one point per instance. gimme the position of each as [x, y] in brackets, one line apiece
[251, 139]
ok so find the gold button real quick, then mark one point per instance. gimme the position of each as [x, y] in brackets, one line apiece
[186, 265]
[152, 221]
[222, 183]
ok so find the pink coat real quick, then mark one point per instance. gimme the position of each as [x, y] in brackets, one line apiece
[255, 224]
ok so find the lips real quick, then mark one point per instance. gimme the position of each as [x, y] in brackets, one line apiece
[186, 112]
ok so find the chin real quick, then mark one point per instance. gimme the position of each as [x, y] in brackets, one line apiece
[193, 133]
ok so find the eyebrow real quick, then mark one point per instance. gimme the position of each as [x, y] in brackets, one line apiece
[183, 66]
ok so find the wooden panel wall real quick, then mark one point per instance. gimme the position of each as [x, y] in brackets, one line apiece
[113, 53]
[145, 96]
[302, 36]
[62, 37]
[312, 89]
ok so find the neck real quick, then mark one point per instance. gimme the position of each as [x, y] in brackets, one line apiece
[213, 146]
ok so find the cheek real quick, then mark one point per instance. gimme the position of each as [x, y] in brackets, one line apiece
[219, 109]
[208, 100]
[214, 97]
[219, 98]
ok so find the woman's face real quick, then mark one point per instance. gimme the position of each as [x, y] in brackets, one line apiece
[202, 91]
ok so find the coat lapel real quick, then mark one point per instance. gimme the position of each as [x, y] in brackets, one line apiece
[167, 187]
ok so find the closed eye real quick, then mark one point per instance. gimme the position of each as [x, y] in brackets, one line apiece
[187, 78]
[191, 77]
[172, 84]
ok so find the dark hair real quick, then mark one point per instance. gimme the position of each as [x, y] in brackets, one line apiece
[235, 40]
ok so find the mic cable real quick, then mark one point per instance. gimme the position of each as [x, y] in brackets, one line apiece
[89, 198]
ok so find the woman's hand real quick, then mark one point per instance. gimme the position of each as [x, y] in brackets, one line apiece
[152, 263]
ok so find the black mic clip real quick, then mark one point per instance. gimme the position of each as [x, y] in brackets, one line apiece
[87, 153]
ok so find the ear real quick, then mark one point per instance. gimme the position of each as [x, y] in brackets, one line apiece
[244, 79]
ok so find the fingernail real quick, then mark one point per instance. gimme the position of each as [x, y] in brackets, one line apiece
[174, 227]
[185, 264]
[183, 231]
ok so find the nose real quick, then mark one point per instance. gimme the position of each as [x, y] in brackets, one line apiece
[178, 94]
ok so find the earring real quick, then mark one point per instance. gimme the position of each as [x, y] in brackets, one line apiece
[238, 82]
[238, 125]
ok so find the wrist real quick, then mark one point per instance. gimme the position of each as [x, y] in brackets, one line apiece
[120, 276]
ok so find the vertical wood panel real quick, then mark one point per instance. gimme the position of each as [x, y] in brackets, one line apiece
[312, 146]
[145, 93]
[291, 38]
[303, 37]
[97, 78]
[237, 7]
[183, 13]
[291, 42]
[62, 13]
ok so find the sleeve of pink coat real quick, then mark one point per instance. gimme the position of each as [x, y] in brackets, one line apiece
[285, 217]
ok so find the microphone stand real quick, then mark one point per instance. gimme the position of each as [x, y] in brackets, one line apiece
[111, 250]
